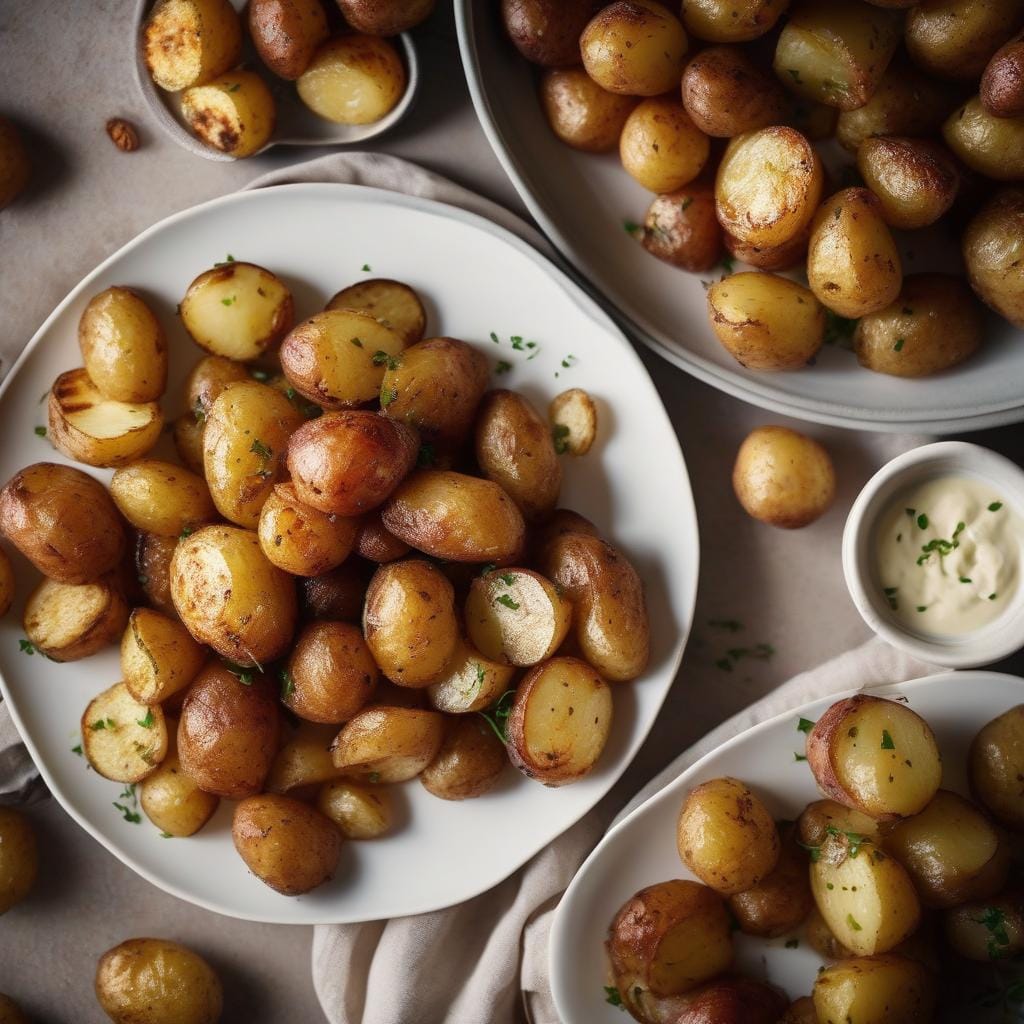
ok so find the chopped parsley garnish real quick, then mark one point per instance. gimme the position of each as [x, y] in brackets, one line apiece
[103, 723]
[147, 722]
[367, 268]
[497, 715]
[995, 921]
[686, 204]
[187, 531]
[229, 300]
[260, 449]
[480, 674]
[631, 227]
[966, 579]
[503, 366]
[229, 258]
[995, 506]
[130, 814]
[798, 757]
[132, 817]
[727, 264]
[922, 522]
[559, 435]
[387, 397]
[898, 347]
[992, 596]
[890, 596]
[611, 995]
[373, 777]
[852, 922]
[887, 743]
[922, 607]
[507, 601]
[382, 358]
[26, 646]
[569, 360]
[507, 578]
[792, 943]
[760, 652]
[358, 342]
[838, 329]
[244, 675]
[40, 431]
[287, 684]
[494, 338]
[77, 749]
[804, 725]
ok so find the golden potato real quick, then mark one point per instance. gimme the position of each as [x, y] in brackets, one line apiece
[376, 543]
[469, 762]
[731, 21]
[770, 257]
[235, 113]
[385, 17]
[547, 739]
[19, 857]
[228, 731]
[1002, 85]
[453, 516]
[353, 79]
[7, 586]
[820, 938]
[301, 540]
[735, 1000]
[158, 656]
[188, 42]
[231, 597]
[86, 427]
[69, 621]
[330, 673]
[994, 253]
[410, 623]
[156, 981]
[514, 448]
[875, 755]
[304, 759]
[957, 38]
[172, 801]
[336, 595]
[725, 93]
[188, 441]
[435, 388]
[726, 836]
[285, 843]
[996, 764]
[161, 498]
[573, 416]
[123, 347]
[636, 47]
[992, 930]
[783, 478]
[823, 818]
[681, 228]
[385, 743]
[887, 989]
[122, 739]
[286, 33]
[206, 380]
[768, 185]
[360, 812]
[853, 265]
[153, 556]
[63, 521]
[993, 146]
[933, 324]
[660, 146]
[766, 322]
[15, 166]
[394, 304]
[471, 682]
[558, 524]
[347, 463]
[915, 180]
[547, 32]
[580, 112]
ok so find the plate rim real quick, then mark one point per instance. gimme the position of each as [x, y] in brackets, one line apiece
[573, 293]
[724, 379]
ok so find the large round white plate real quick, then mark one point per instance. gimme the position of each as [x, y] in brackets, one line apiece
[475, 278]
[641, 849]
[582, 202]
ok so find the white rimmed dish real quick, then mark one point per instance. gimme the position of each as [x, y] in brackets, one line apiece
[641, 849]
[472, 276]
[582, 201]
[296, 124]
[983, 646]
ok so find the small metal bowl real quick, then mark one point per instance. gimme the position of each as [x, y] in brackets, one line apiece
[296, 125]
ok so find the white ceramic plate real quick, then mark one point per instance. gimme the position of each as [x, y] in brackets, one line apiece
[641, 849]
[475, 278]
[582, 202]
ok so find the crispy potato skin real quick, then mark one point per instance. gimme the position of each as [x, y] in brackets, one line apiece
[349, 462]
[151, 981]
[19, 858]
[63, 521]
[386, 743]
[886, 989]
[286, 33]
[729, 21]
[153, 556]
[332, 673]
[228, 732]
[287, 844]
[726, 94]
[996, 765]
[391, 302]
[957, 38]
[385, 17]
[15, 166]
[770, 257]
[1002, 84]
[304, 760]
[681, 228]
[580, 112]
[547, 32]
[992, 146]
[336, 595]
[818, 817]
[235, 113]
[173, 802]
[70, 621]
[660, 146]
[161, 498]
[469, 762]
[360, 812]
[734, 1001]
[188, 42]
[991, 251]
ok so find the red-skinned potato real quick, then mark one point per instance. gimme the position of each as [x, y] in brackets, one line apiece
[1002, 84]
[547, 32]
[734, 1001]
[286, 33]
[681, 228]
[385, 17]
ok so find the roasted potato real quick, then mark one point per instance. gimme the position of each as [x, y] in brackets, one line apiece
[820, 938]
[15, 166]
[234, 114]
[385, 17]
[768, 186]
[410, 622]
[733, 1000]
[228, 731]
[376, 543]
[19, 857]
[783, 478]
[558, 524]
[7, 585]
[394, 304]
[336, 595]
[188, 441]
[286, 33]
[469, 762]
[301, 540]
[304, 759]
[987, 931]
[836, 51]
[353, 79]
[63, 521]
[285, 843]
[853, 265]
[823, 818]
[153, 556]
[514, 448]
[384, 743]
[731, 21]
[660, 146]
[231, 597]
[161, 498]
[800, 1011]
[766, 322]
[454, 516]
[915, 180]
[360, 812]
[547, 739]
[188, 42]
[993, 253]
[123, 739]
[435, 387]
[86, 427]
[993, 146]
[772, 257]
[69, 621]
[548, 32]
[573, 416]
[347, 463]
[580, 112]
[996, 763]
[887, 989]
[237, 310]
[875, 755]
[668, 939]
[681, 228]
[156, 981]
[1002, 84]
[726, 836]
[207, 379]
[330, 674]
[725, 93]
[957, 38]
[158, 656]
[172, 801]
[123, 347]
[635, 47]
[933, 324]
[471, 682]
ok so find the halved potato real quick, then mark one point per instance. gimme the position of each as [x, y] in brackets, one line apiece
[469, 762]
[161, 498]
[302, 540]
[172, 801]
[153, 556]
[234, 114]
[158, 656]
[122, 739]
[996, 764]
[573, 416]
[394, 304]
[887, 989]
[68, 621]
[360, 812]
[660, 146]
[471, 682]
[559, 722]
[89, 428]
[304, 759]
[186, 42]
[875, 755]
[388, 744]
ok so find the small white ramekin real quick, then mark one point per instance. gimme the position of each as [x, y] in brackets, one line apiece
[997, 639]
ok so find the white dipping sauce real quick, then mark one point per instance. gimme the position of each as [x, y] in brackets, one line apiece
[948, 555]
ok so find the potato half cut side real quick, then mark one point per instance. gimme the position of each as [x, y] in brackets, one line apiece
[234, 113]
[394, 304]
[186, 42]
[471, 682]
[573, 417]
[67, 621]
[388, 744]
[122, 739]
[158, 656]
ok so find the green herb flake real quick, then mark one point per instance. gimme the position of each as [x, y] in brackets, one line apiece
[132, 817]
[611, 995]
[40, 431]
[260, 449]
[186, 532]
[77, 749]
[373, 777]
[922, 607]
[686, 204]
[502, 367]
[358, 342]
[992, 596]
[631, 227]
[166, 835]
[480, 674]
[147, 722]
[497, 715]
[729, 625]
[494, 338]
[559, 437]
[26, 646]
[995, 506]
[792, 943]
[569, 360]
[887, 743]
[898, 347]
[230, 300]
[922, 522]
[103, 723]
[382, 358]
[727, 264]
[798, 757]
[804, 725]
[507, 578]
[367, 268]
[852, 922]
[507, 601]
[287, 684]
[243, 675]
[966, 579]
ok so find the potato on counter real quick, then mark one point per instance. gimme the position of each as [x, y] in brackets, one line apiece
[19, 859]
[15, 166]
